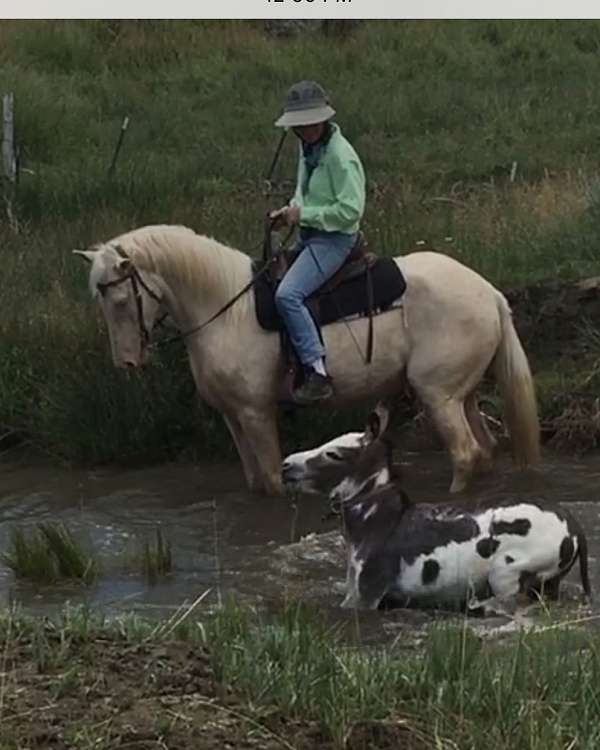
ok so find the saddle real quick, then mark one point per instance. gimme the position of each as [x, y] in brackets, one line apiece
[356, 264]
[365, 285]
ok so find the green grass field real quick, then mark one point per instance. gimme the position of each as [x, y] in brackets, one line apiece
[442, 113]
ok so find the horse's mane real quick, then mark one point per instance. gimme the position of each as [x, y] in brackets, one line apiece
[181, 256]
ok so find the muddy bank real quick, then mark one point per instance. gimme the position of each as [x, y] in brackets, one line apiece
[109, 693]
[559, 325]
[235, 681]
[61, 690]
[556, 319]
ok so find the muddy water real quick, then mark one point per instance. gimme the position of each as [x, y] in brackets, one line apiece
[228, 541]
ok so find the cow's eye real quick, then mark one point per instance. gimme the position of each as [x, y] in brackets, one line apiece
[333, 456]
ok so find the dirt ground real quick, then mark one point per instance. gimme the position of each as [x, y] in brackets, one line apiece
[108, 694]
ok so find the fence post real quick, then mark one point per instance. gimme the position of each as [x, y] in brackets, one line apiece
[9, 171]
[113, 163]
[9, 159]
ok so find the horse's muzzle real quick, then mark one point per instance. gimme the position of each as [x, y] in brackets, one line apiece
[133, 362]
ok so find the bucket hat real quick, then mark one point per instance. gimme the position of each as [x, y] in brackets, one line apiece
[306, 103]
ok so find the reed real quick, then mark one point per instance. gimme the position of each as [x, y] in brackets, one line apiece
[49, 553]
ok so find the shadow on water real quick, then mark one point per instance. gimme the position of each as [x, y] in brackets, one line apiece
[225, 539]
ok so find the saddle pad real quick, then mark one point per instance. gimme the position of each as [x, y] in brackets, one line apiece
[348, 299]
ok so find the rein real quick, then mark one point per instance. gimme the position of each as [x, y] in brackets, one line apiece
[268, 261]
[220, 311]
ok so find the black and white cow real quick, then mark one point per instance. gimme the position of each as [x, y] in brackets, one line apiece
[435, 555]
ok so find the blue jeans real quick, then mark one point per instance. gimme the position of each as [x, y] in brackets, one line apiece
[321, 255]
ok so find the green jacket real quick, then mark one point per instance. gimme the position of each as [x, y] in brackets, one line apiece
[335, 198]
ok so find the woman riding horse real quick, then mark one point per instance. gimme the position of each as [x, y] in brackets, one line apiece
[328, 205]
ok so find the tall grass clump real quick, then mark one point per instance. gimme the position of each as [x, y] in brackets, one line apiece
[150, 556]
[156, 557]
[47, 554]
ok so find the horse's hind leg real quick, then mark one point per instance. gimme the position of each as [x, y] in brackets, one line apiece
[480, 430]
[450, 419]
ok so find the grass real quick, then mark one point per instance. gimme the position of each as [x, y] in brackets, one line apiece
[155, 558]
[47, 554]
[50, 552]
[148, 556]
[291, 670]
[457, 104]
[528, 693]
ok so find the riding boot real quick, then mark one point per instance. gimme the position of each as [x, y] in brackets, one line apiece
[315, 388]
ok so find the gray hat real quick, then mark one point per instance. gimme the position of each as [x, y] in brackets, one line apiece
[306, 103]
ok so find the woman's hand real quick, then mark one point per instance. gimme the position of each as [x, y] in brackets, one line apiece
[288, 215]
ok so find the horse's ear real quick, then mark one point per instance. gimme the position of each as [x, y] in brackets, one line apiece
[123, 266]
[88, 255]
[377, 422]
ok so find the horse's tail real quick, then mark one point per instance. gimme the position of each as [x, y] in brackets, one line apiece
[514, 376]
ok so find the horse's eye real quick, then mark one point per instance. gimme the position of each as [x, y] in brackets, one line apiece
[333, 456]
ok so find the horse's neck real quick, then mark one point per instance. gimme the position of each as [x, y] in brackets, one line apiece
[225, 273]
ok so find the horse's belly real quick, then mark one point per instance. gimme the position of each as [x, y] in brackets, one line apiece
[346, 345]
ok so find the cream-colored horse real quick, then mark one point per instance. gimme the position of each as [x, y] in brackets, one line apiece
[452, 326]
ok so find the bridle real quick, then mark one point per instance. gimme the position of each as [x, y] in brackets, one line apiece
[136, 282]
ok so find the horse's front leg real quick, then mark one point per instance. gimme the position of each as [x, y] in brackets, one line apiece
[246, 454]
[260, 432]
